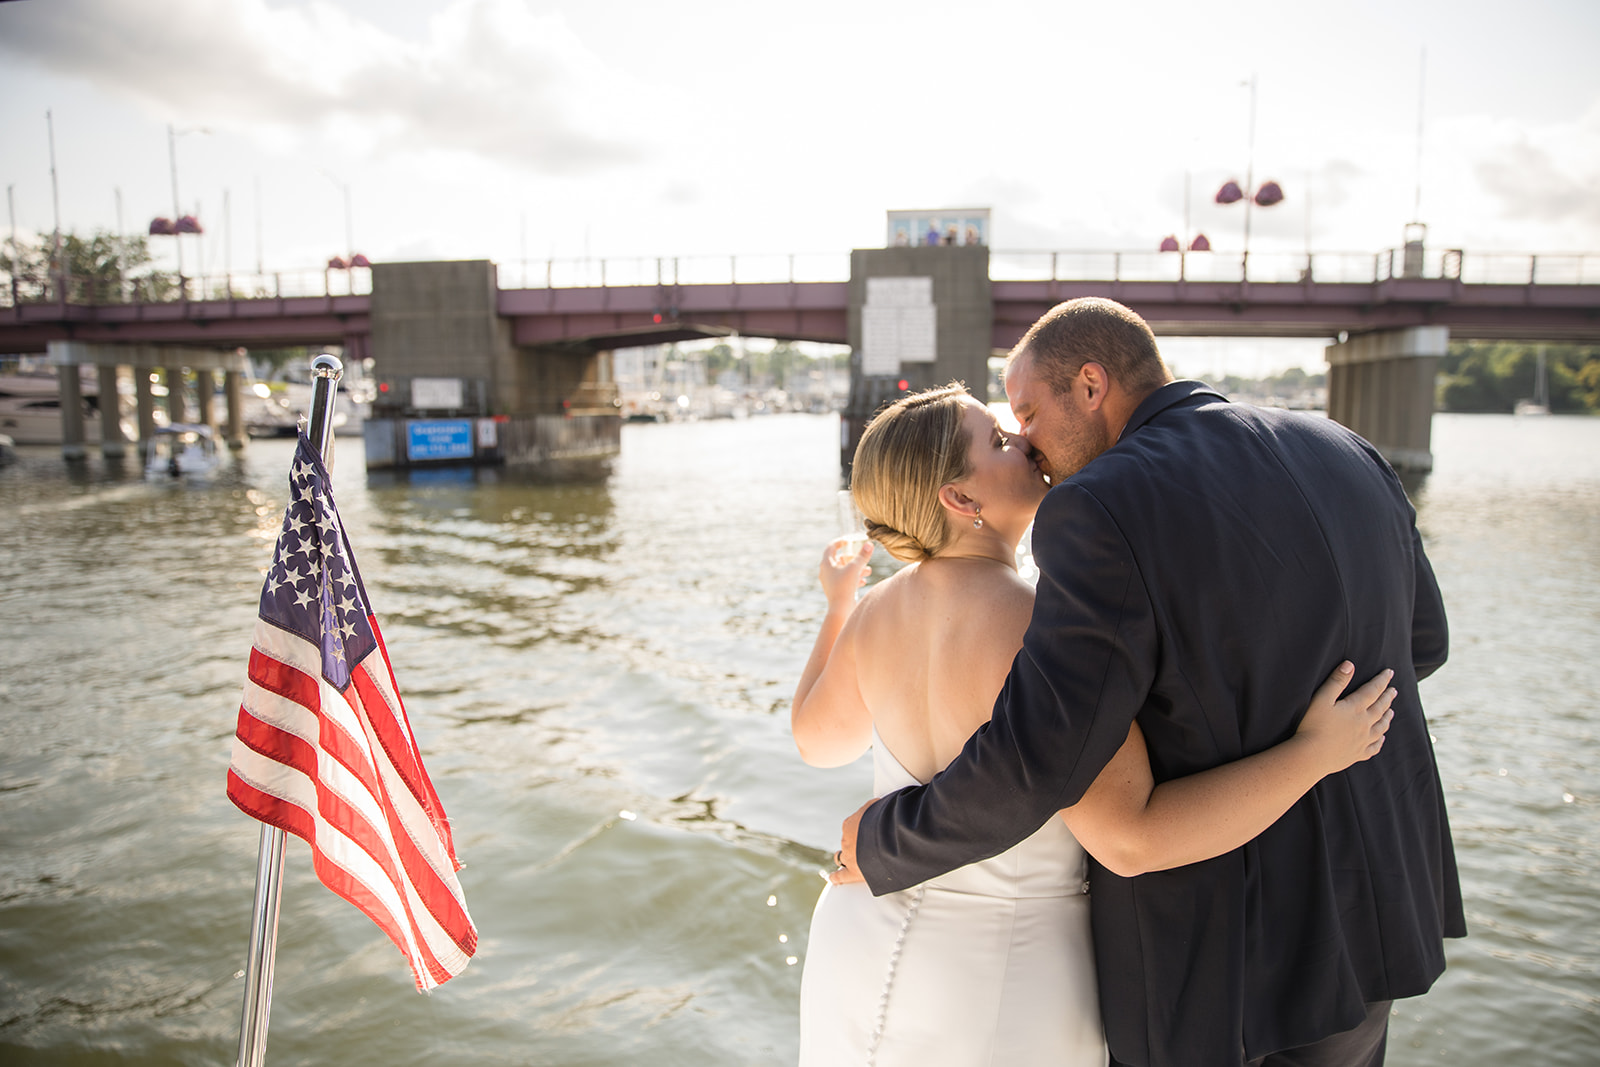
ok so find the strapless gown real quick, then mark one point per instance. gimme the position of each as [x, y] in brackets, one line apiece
[991, 964]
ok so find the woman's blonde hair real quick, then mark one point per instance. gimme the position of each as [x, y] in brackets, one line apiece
[908, 450]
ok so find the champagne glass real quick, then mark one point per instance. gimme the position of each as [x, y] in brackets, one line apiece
[852, 527]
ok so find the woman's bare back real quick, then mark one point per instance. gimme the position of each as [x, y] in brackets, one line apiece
[932, 647]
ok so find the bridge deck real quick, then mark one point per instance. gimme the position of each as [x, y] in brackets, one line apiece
[609, 316]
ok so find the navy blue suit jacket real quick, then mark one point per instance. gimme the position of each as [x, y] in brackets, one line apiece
[1204, 575]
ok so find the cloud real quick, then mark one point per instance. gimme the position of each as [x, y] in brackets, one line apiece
[1532, 186]
[493, 79]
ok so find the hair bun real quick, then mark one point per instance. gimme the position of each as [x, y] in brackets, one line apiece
[902, 546]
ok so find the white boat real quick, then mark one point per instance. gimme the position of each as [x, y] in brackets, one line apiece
[1540, 404]
[30, 409]
[182, 451]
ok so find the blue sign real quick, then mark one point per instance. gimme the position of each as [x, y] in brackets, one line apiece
[439, 439]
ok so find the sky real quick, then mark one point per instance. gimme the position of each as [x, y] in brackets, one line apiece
[519, 130]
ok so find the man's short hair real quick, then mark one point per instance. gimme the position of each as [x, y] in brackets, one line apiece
[1093, 329]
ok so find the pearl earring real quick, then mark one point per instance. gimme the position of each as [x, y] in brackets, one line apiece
[977, 518]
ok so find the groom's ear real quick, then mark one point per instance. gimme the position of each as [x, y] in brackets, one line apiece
[1095, 383]
[953, 499]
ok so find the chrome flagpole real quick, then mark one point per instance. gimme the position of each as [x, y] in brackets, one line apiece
[325, 373]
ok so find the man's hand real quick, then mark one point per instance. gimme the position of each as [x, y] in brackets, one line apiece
[845, 859]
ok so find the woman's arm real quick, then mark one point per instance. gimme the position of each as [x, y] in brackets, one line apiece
[829, 720]
[1131, 825]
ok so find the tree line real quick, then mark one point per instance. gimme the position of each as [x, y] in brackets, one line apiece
[1492, 376]
[104, 268]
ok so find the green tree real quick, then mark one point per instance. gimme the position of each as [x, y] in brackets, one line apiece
[1493, 376]
[103, 268]
[1588, 382]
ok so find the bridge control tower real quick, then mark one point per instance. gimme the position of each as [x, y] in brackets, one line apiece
[454, 387]
[919, 316]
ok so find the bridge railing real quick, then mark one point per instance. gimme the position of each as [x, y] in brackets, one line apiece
[1496, 268]
[1077, 266]
[675, 270]
[162, 288]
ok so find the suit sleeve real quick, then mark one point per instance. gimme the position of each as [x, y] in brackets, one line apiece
[1085, 667]
[1430, 633]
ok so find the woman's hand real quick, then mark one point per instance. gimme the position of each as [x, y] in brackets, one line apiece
[842, 575]
[1348, 730]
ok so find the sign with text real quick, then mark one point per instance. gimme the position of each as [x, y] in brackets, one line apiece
[899, 324]
[439, 439]
[436, 394]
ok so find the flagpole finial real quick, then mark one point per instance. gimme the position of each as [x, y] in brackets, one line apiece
[325, 372]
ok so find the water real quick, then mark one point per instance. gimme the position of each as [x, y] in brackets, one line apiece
[598, 677]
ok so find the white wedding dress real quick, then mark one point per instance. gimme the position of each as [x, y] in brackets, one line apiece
[991, 964]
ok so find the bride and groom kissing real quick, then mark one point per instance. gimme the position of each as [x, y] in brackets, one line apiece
[1170, 840]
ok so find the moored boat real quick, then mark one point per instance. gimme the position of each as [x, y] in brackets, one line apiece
[182, 451]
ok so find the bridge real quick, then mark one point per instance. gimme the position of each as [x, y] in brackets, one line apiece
[609, 303]
[552, 319]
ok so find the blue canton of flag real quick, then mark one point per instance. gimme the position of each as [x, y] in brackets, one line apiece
[312, 588]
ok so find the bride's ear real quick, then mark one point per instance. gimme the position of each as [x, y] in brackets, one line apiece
[956, 502]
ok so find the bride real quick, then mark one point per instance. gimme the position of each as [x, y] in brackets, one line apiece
[991, 963]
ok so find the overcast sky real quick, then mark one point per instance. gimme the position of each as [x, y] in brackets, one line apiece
[508, 128]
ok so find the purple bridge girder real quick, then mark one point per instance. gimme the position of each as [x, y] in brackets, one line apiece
[618, 316]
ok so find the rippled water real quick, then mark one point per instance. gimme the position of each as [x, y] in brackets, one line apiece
[571, 654]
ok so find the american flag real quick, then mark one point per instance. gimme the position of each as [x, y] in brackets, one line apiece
[323, 748]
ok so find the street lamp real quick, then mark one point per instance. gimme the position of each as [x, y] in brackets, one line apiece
[1270, 192]
[1170, 243]
[349, 241]
[179, 223]
[351, 257]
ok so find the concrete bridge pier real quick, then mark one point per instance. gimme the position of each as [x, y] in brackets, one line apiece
[233, 395]
[109, 359]
[145, 405]
[177, 408]
[1381, 385]
[72, 446]
[113, 444]
[205, 392]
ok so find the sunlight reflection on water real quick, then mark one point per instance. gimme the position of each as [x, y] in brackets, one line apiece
[570, 653]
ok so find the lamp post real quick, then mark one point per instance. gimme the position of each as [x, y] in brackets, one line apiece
[179, 223]
[351, 257]
[1270, 192]
[349, 241]
[1170, 243]
[11, 209]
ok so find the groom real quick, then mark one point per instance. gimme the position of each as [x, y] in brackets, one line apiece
[1201, 576]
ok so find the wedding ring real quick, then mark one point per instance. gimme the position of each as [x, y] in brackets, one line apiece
[838, 859]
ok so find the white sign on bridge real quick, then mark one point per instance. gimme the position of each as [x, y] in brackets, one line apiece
[899, 324]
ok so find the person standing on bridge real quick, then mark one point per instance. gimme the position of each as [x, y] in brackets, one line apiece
[1203, 565]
